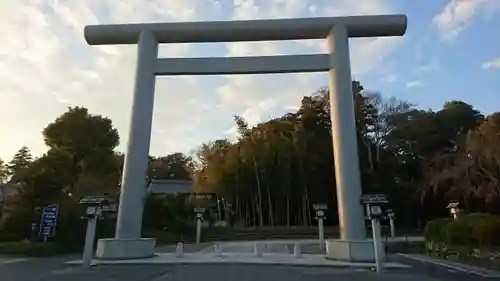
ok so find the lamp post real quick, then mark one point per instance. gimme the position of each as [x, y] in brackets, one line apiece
[392, 217]
[320, 216]
[373, 205]
[93, 211]
[454, 210]
[199, 217]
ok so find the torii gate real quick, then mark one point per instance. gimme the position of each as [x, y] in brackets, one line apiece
[336, 30]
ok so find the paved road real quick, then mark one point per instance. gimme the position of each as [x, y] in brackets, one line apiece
[53, 269]
[439, 272]
[17, 269]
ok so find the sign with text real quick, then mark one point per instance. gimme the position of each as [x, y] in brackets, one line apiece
[49, 220]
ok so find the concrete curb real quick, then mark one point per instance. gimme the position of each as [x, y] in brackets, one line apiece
[303, 261]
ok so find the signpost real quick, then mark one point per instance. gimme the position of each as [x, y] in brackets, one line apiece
[49, 221]
[373, 204]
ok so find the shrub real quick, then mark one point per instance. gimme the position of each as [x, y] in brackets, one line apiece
[457, 232]
[18, 224]
[434, 229]
[6, 236]
[478, 229]
[487, 234]
[485, 228]
[478, 217]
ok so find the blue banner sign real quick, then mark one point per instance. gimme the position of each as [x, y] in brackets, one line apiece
[49, 220]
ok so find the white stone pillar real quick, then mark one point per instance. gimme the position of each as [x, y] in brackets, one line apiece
[198, 230]
[88, 248]
[129, 221]
[321, 231]
[393, 228]
[344, 137]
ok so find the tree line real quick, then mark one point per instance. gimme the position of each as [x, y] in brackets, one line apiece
[275, 170]
[421, 159]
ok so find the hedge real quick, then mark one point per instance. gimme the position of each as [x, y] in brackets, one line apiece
[434, 229]
[33, 249]
[472, 230]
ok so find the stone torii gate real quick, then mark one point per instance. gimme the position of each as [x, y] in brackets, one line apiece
[336, 30]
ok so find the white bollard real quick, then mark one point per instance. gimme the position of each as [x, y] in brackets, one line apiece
[287, 250]
[321, 233]
[218, 250]
[296, 251]
[179, 250]
[257, 250]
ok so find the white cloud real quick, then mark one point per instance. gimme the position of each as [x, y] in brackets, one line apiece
[414, 84]
[433, 66]
[46, 66]
[492, 64]
[457, 14]
[390, 78]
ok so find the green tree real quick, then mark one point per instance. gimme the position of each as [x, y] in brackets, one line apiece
[89, 141]
[247, 140]
[473, 171]
[172, 166]
[80, 161]
[4, 172]
[4, 176]
[21, 160]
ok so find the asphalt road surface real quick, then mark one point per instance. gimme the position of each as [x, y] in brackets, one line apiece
[53, 269]
[439, 272]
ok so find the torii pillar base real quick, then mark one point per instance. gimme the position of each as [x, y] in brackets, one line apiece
[124, 249]
[350, 250]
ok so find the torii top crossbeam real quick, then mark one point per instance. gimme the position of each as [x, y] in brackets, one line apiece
[247, 30]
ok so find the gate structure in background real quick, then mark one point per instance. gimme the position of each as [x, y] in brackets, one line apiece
[336, 30]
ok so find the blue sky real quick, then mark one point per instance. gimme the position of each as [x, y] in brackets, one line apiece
[450, 52]
[441, 68]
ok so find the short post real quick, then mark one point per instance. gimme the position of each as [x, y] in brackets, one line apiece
[33, 232]
[392, 217]
[218, 250]
[179, 250]
[257, 250]
[199, 219]
[286, 249]
[92, 214]
[320, 216]
[374, 212]
[297, 253]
